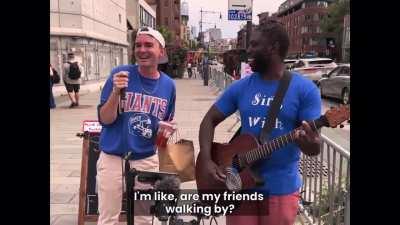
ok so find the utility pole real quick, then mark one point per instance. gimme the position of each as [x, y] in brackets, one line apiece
[201, 21]
[206, 63]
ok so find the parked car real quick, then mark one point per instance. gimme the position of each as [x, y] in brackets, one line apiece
[336, 84]
[289, 63]
[313, 68]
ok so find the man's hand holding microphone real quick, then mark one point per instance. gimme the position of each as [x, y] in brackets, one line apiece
[165, 128]
[120, 81]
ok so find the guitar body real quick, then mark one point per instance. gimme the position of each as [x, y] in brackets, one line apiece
[243, 177]
[222, 155]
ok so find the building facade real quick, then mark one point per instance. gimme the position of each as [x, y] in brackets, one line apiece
[138, 14]
[302, 20]
[185, 30]
[169, 15]
[95, 31]
[193, 32]
[215, 34]
[241, 37]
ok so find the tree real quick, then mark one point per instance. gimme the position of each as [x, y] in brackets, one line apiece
[167, 34]
[333, 23]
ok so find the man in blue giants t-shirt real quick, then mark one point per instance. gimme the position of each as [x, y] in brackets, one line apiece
[132, 125]
[252, 96]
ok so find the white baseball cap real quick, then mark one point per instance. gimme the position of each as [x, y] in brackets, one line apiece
[154, 33]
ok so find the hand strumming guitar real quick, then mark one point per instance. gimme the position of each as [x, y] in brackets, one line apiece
[308, 139]
[214, 171]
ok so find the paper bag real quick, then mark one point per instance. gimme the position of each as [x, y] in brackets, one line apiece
[178, 158]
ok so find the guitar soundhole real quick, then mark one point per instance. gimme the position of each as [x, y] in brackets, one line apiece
[236, 163]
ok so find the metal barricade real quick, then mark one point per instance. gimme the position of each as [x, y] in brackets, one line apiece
[326, 184]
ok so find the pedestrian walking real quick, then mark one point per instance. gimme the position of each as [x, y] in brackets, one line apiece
[72, 79]
[54, 79]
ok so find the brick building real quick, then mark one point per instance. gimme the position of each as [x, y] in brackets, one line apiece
[169, 15]
[302, 19]
[241, 37]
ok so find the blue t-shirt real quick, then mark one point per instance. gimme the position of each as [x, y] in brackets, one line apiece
[252, 96]
[147, 102]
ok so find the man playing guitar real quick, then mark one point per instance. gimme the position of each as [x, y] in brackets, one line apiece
[252, 97]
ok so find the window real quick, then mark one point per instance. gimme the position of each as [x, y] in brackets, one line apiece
[322, 4]
[319, 30]
[325, 61]
[345, 71]
[166, 21]
[308, 17]
[141, 14]
[119, 17]
[299, 64]
[316, 17]
[313, 42]
[166, 3]
[335, 72]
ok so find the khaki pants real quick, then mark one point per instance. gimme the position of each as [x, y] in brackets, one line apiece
[110, 187]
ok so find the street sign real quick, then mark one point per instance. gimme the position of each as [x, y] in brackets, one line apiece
[240, 9]
[92, 126]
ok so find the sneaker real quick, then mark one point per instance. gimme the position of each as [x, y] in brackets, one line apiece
[72, 105]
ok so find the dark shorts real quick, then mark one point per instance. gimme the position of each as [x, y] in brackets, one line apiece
[72, 87]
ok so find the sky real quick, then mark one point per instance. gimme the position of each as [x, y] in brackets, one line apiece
[229, 28]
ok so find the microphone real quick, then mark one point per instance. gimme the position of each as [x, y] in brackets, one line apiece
[123, 99]
[123, 94]
[168, 185]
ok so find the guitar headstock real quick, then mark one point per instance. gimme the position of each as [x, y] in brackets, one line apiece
[337, 115]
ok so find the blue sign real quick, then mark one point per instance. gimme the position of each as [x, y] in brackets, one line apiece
[239, 15]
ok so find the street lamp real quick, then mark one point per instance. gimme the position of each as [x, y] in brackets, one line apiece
[206, 69]
[201, 21]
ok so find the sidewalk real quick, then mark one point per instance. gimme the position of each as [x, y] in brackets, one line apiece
[87, 87]
[193, 101]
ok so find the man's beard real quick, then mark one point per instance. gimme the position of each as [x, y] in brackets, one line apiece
[261, 63]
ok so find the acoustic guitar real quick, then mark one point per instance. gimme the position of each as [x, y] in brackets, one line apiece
[237, 157]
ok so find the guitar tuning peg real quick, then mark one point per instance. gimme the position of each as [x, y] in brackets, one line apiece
[341, 125]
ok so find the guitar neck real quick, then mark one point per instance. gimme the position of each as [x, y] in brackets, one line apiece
[265, 150]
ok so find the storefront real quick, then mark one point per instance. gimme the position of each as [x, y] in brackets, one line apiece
[97, 57]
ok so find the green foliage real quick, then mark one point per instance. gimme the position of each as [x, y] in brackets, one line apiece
[333, 23]
[167, 34]
[177, 58]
